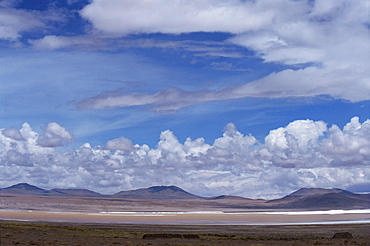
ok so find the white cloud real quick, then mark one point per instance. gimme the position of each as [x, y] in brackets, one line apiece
[169, 100]
[117, 17]
[328, 39]
[307, 82]
[55, 136]
[119, 144]
[297, 134]
[52, 42]
[310, 81]
[350, 145]
[14, 22]
[284, 31]
[13, 134]
[304, 153]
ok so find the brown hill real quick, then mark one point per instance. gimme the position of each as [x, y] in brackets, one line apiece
[330, 201]
[24, 189]
[226, 197]
[317, 198]
[31, 190]
[157, 192]
[76, 192]
[304, 198]
[304, 192]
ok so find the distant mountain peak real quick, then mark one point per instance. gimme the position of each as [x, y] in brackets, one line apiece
[25, 186]
[307, 198]
[27, 189]
[163, 188]
[76, 192]
[225, 197]
[23, 189]
[304, 192]
[157, 192]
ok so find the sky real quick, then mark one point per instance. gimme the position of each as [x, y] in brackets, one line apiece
[219, 97]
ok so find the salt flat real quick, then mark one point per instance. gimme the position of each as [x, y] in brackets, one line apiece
[196, 218]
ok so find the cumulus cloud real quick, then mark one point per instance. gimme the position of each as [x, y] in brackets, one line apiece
[13, 134]
[294, 145]
[298, 134]
[350, 145]
[121, 143]
[54, 136]
[304, 153]
[323, 42]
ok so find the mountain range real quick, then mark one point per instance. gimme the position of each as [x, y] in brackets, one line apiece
[307, 198]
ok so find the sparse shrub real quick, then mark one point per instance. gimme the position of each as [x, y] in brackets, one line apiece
[342, 235]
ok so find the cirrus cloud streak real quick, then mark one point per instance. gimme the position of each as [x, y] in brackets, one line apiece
[323, 42]
[327, 40]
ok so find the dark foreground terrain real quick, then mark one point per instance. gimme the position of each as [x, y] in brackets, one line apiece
[55, 233]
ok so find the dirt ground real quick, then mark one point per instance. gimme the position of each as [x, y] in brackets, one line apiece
[29, 220]
[62, 233]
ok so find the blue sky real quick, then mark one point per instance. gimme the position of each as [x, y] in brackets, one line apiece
[248, 98]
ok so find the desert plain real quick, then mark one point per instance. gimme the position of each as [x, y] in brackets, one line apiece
[38, 220]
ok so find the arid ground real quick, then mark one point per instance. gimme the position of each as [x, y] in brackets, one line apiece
[32, 220]
[61, 233]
